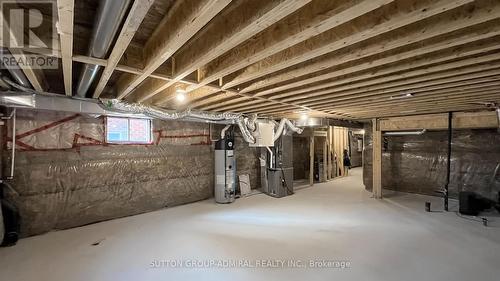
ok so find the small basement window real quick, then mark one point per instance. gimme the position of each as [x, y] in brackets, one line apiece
[128, 130]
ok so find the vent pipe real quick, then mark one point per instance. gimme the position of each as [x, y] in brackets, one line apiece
[109, 18]
[15, 71]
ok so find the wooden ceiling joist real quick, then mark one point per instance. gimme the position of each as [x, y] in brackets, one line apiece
[437, 30]
[349, 59]
[477, 98]
[374, 96]
[311, 20]
[485, 96]
[461, 39]
[182, 22]
[401, 70]
[455, 91]
[454, 68]
[413, 89]
[404, 14]
[65, 11]
[457, 87]
[424, 110]
[231, 28]
[134, 19]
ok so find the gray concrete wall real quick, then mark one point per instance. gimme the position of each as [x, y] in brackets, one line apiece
[418, 164]
[62, 183]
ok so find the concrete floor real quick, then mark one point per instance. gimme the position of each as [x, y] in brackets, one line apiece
[391, 239]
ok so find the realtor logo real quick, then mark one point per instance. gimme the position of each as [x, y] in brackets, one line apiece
[28, 30]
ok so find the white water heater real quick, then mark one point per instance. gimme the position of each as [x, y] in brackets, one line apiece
[225, 170]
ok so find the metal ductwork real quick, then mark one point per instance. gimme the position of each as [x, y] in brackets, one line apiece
[54, 102]
[187, 115]
[22, 97]
[113, 107]
[16, 72]
[109, 19]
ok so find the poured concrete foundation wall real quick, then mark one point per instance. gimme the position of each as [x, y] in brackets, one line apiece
[66, 176]
[417, 164]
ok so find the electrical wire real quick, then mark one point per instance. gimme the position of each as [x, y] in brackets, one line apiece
[284, 181]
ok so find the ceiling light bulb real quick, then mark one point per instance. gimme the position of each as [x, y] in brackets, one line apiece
[180, 96]
[304, 116]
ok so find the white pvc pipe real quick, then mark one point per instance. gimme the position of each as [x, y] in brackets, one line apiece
[270, 157]
[13, 144]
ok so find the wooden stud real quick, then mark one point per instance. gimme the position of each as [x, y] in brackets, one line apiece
[65, 9]
[329, 153]
[325, 158]
[377, 160]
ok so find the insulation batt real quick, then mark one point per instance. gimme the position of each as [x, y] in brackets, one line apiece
[417, 164]
[62, 185]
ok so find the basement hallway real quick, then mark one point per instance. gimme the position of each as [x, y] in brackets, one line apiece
[331, 230]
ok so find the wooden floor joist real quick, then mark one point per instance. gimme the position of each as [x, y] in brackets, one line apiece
[347, 59]
[65, 13]
[183, 21]
[135, 16]
[438, 72]
[314, 19]
[302, 91]
[229, 30]
[330, 41]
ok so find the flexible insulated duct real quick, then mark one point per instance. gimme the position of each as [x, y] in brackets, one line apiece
[159, 113]
[191, 115]
[285, 123]
[109, 18]
[28, 98]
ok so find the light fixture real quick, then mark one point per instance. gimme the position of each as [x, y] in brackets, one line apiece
[402, 96]
[180, 95]
[405, 133]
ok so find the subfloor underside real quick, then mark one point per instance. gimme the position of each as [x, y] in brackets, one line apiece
[331, 230]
